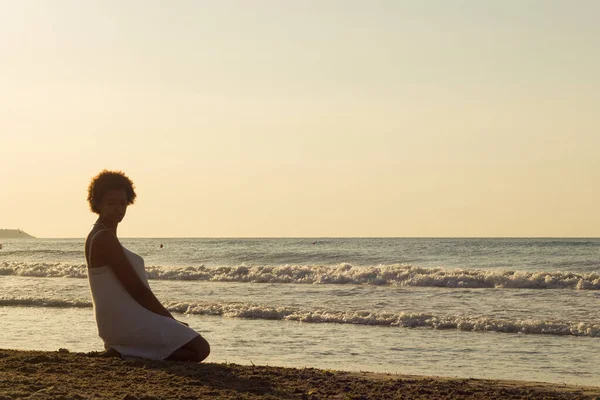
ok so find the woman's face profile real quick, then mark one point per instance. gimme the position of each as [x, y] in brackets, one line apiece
[113, 205]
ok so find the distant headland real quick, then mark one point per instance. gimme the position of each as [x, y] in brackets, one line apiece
[14, 234]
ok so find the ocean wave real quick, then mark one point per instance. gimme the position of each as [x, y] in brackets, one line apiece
[44, 270]
[382, 275]
[402, 319]
[43, 302]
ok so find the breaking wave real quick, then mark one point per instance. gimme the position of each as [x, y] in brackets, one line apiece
[402, 319]
[392, 275]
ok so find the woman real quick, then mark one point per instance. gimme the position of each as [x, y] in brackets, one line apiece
[130, 319]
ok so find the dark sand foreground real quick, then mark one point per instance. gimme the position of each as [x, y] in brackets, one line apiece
[64, 375]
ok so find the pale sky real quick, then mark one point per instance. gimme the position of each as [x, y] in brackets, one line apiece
[305, 118]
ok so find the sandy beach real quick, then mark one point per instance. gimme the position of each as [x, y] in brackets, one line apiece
[66, 375]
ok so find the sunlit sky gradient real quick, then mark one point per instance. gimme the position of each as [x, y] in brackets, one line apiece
[307, 118]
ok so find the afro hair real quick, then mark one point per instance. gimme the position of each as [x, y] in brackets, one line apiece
[105, 181]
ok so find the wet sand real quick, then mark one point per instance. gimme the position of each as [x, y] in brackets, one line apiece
[64, 375]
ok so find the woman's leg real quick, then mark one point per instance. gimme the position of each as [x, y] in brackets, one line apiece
[196, 350]
[182, 354]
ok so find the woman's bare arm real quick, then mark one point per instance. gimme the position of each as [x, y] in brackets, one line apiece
[111, 253]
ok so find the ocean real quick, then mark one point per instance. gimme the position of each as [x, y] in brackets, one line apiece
[526, 309]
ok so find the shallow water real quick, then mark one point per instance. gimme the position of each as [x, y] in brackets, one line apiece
[419, 351]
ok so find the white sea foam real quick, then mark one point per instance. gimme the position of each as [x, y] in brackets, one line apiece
[394, 275]
[43, 270]
[402, 319]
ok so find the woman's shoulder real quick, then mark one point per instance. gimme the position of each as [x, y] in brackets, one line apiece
[103, 236]
[102, 239]
[102, 246]
[95, 233]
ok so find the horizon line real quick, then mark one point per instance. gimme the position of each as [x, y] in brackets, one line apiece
[334, 237]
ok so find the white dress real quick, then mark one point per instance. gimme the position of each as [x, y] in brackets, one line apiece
[124, 324]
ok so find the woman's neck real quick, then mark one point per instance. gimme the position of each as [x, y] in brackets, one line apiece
[111, 226]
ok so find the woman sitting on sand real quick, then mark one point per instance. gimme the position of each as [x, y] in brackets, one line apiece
[130, 319]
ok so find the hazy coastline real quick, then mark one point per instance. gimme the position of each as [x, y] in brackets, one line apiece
[14, 234]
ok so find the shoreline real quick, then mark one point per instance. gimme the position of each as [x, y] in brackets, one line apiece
[65, 375]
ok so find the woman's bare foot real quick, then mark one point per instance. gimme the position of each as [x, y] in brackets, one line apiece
[110, 353]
